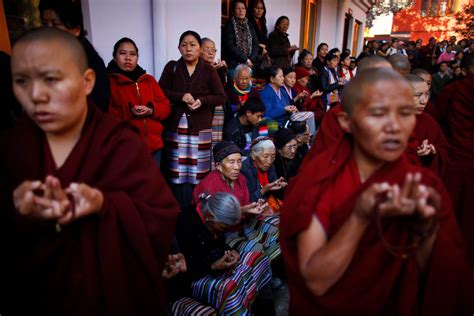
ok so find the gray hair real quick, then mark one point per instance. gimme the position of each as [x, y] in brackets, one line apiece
[261, 146]
[207, 39]
[241, 67]
[224, 206]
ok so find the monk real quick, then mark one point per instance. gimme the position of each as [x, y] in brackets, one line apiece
[458, 112]
[432, 145]
[364, 232]
[88, 216]
[400, 63]
[426, 76]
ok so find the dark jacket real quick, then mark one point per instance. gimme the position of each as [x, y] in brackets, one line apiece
[286, 168]
[261, 32]
[326, 86]
[250, 173]
[100, 95]
[204, 85]
[198, 245]
[230, 52]
[236, 132]
[278, 45]
[233, 102]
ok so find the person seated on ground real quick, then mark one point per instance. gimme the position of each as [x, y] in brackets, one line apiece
[305, 60]
[331, 83]
[286, 166]
[440, 79]
[257, 232]
[259, 170]
[279, 47]
[400, 63]
[220, 276]
[242, 130]
[312, 100]
[432, 145]
[303, 138]
[67, 16]
[277, 105]
[145, 109]
[208, 55]
[239, 40]
[241, 90]
[361, 214]
[91, 228]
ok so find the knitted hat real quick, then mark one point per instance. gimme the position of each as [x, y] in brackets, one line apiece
[301, 72]
[282, 137]
[224, 149]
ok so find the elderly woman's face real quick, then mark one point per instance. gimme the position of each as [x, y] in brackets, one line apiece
[278, 79]
[230, 166]
[289, 150]
[243, 79]
[208, 53]
[283, 26]
[264, 160]
[190, 48]
[304, 138]
[240, 11]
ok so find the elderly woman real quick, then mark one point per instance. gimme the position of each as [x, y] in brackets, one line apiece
[136, 96]
[286, 164]
[254, 234]
[208, 54]
[279, 47]
[220, 276]
[194, 88]
[241, 90]
[303, 138]
[239, 40]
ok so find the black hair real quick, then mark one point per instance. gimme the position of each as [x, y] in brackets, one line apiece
[287, 70]
[321, 46]
[252, 5]
[298, 127]
[192, 33]
[254, 105]
[330, 56]
[271, 72]
[333, 51]
[302, 55]
[467, 61]
[234, 3]
[68, 11]
[344, 56]
[121, 41]
[281, 18]
[443, 62]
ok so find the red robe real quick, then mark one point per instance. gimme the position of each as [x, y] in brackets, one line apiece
[427, 128]
[104, 264]
[375, 282]
[314, 105]
[459, 131]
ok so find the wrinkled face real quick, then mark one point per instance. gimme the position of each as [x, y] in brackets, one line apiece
[303, 81]
[323, 51]
[50, 86]
[283, 26]
[126, 57]
[289, 150]
[230, 166]
[240, 11]
[208, 52]
[382, 123]
[307, 61]
[190, 49]
[304, 138]
[278, 79]
[254, 118]
[347, 61]
[421, 95]
[264, 160]
[258, 10]
[290, 79]
[333, 62]
[51, 19]
[243, 79]
[427, 79]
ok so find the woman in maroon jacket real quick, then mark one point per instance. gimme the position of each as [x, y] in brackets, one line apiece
[194, 89]
[136, 96]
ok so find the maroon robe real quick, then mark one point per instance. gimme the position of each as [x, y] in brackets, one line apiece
[427, 128]
[375, 282]
[459, 131]
[104, 264]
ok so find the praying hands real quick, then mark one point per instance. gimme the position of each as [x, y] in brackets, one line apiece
[426, 149]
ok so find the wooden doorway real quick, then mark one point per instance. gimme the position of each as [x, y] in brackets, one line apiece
[308, 24]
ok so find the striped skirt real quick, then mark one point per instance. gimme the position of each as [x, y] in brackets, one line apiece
[189, 307]
[258, 235]
[233, 292]
[188, 153]
[217, 128]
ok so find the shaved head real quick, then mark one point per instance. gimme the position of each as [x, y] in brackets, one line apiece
[68, 43]
[354, 92]
[420, 72]
[371, 62]
[413, 79]
[400, 63]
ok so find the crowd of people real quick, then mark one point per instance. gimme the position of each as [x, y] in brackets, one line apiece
[204, 191]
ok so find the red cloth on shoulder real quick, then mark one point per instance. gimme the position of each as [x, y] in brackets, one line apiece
[427, 128]
[104, 264]
[376, 282]
[314, 105]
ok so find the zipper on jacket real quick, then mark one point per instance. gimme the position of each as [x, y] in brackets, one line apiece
[144, 120]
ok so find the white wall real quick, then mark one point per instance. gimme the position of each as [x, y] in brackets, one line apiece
[109, 20]
[326, 23]
[289, 8]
